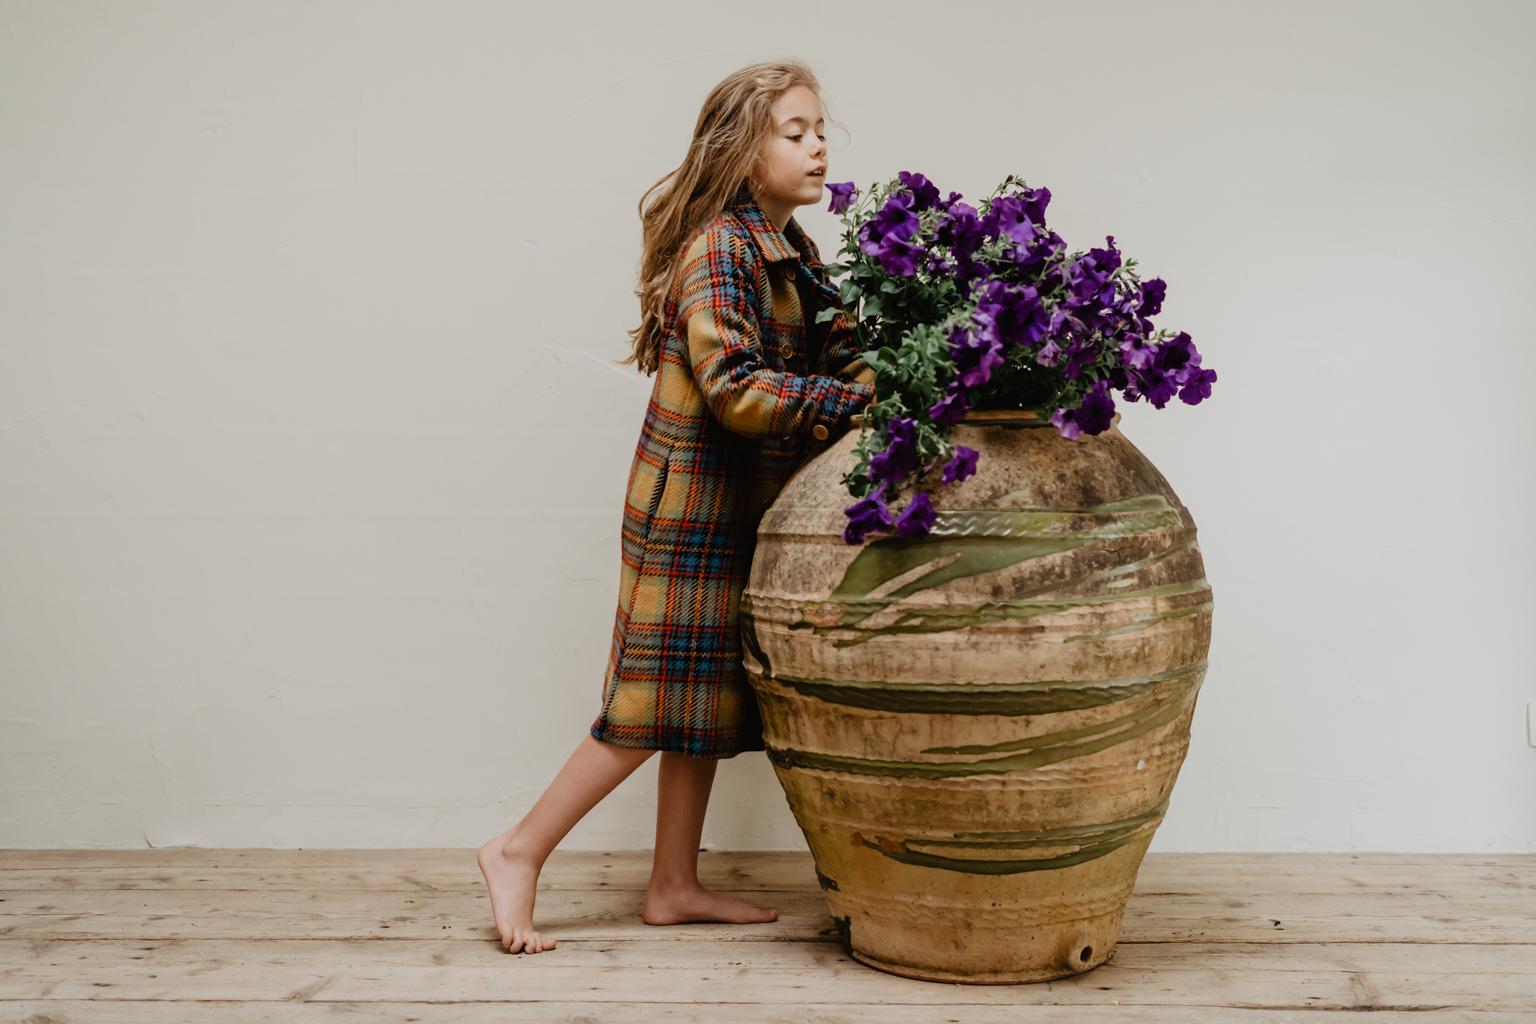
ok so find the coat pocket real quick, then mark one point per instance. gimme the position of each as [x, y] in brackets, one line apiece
[666, 512]
[643, 501]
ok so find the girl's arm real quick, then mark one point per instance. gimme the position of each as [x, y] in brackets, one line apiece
[843, 351]
[840, 346]
[725, 350]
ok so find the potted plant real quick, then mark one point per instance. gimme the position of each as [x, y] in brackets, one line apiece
[977, 700]
[985, 309]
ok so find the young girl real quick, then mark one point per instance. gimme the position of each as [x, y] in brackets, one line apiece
[748, 386]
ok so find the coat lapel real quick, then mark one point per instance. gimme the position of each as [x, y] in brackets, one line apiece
[781, 246]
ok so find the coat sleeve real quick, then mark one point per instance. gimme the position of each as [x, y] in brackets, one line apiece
[844, 357]
[840, 343]
[715, 302]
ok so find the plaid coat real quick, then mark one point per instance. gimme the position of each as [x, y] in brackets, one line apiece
[747, 388]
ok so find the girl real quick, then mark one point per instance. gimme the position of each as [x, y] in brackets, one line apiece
[748, 385]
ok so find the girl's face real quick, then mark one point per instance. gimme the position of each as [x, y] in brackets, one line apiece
[792, 169]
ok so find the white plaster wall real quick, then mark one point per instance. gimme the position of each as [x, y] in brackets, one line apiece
[311, 454]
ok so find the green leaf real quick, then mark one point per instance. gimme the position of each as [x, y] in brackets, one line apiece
[827, 314]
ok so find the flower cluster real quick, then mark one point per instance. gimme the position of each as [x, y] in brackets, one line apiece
[984, 308]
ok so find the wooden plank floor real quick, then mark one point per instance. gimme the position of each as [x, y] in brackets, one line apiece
[390, 936]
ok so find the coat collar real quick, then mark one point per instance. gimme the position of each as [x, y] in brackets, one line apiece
[775, 245]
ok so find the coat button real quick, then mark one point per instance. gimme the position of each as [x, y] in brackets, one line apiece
[786, 349]
[819, 432]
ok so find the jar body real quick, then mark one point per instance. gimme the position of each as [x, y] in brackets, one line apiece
[979, 731]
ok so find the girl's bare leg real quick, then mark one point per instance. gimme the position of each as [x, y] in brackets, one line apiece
[674, 894]
[512, 860]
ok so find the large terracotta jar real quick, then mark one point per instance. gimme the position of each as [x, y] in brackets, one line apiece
[978, 732]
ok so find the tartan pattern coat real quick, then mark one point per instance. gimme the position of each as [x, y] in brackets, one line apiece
[748, 386]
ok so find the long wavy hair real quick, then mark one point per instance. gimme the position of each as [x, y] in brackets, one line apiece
[728, 140]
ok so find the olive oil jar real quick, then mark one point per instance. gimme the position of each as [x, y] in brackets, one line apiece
[979, 731]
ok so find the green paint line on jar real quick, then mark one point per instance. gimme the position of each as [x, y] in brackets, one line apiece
[959, 530]
[1044, 522]
[1095, 842]
[963, 554]
[867, 607]
[939, 620]
[1027, 697]
[1133, 503]
[879, 563]
[1140, 622]
[943, 620]
[1047, 749]
[1173, 691]
[1054, 836]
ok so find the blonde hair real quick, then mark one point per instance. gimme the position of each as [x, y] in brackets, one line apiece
[733, 125]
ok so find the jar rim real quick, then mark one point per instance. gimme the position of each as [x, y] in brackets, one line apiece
[1037, 415]
[1033, 415]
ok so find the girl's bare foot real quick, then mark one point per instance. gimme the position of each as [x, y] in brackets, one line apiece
[676, 904]
[512, 879]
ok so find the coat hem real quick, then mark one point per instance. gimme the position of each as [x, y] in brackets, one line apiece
[600, 731]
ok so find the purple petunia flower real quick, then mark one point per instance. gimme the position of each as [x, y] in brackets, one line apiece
[1158, 389]
[1197, 386]
[975, 356]
[899, 457]
[868, 515]
[1097, 410]
[899, 256]
[886, 236]
[962, 465]
[1013, 314]
[917, 518]
[895, 219]
[1175, 365]
[1092, 417]
[947, 204]
[946, 412]
[1035, 202]
[959, 229]
[924, 193]
[1008, 217]
[1088, 277]
[1082, 354]
[1152, 293]
[1175, 354]
[843, 195]
[1135, 353]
